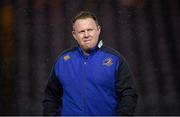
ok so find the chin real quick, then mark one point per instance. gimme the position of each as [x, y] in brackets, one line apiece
[88, 47]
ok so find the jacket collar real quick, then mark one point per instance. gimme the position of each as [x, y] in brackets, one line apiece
[92, 50]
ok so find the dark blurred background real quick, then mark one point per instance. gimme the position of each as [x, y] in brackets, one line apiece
[34, 32]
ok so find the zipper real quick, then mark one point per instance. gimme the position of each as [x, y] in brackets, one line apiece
[85, 62]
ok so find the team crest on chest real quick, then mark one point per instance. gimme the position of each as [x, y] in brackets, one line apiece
[67, 57]
[107, 62]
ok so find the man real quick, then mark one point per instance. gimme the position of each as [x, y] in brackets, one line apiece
[89, 79]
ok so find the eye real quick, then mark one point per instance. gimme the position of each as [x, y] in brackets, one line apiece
[90, 30]
[80, 32]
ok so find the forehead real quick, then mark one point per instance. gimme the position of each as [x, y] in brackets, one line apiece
[86, 22]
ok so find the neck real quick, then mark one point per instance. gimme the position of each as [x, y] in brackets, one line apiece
[86, 52]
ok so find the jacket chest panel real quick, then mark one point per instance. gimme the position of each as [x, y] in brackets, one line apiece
[93, 71]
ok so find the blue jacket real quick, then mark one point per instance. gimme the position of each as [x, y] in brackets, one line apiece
[98, 84]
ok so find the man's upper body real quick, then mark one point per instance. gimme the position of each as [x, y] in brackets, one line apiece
[90, 79]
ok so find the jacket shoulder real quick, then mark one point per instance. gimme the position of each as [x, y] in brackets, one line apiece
[65, 52]
[112, 51]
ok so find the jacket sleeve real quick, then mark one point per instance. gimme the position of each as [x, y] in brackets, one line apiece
[53, 93]
[125, 90]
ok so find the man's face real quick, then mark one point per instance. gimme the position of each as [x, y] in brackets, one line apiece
[86, 33]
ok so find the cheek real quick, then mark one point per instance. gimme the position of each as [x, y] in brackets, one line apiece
[78, 38]
[97, 36]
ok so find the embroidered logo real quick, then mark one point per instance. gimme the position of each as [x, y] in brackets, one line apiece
[108, 62]
[67, 57]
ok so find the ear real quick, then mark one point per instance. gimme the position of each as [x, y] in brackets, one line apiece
[74, 34]
[99, 29]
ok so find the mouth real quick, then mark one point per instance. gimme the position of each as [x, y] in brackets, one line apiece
[87, 40]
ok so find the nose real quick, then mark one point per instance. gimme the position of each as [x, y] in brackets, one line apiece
[86, 34]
